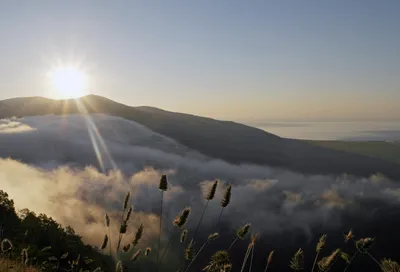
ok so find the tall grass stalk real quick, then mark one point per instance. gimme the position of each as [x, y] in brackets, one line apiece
[246, 256]
[179, 222]
[210, 195]
[269, 260]
[124, 223]
[240, 234]
[224, 202]
[320, 245]
[210, 238]
[107, 218]
[163, 186]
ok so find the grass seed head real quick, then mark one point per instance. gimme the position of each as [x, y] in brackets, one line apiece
[126, 201]
[297, 261]
[126, 247]
[105, 242]
[128, 215]
[213, 236]
[211, 193]
[138, 235]
[227, 197]
[147, 252]
[163, 183]
[219, 262]
[189, 251]
[184, 236]
[348, 236]
[389, 265]
[364, 244]
[345, 257]
[181, 219]
[321, 243]
[136, 256]
[123, 227]
[326, 263]
[241, 233]
[270, 256]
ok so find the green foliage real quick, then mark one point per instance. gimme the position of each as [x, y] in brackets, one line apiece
[41, 241]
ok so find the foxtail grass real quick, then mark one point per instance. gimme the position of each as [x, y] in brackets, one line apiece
[326, 263]
[210, 238]
[269, 260]
[240, 234]
[219, 262]
[225, 202]
[209, 196]
[107, 219]
[320, 245]
[297, 261]
[124, 221]
[249, 251]
[179, 222]
[163, 186]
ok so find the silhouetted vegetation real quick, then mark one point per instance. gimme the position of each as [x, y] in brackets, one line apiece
[39, 241]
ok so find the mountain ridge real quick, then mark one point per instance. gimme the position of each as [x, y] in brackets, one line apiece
[226, 140]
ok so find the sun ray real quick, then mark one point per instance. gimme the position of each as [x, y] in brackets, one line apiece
[97, 140]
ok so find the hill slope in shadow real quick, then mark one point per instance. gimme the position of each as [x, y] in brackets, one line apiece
[230, 141]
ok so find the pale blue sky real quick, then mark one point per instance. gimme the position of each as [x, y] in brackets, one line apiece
[225, 59]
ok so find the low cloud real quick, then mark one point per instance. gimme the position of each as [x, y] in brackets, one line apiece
[54, 169]
[11, 126]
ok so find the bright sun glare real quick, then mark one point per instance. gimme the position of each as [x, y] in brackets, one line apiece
[68, 81]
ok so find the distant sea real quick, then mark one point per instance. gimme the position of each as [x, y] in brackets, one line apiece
[351, 131]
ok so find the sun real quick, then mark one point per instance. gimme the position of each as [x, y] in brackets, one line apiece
[68, 81]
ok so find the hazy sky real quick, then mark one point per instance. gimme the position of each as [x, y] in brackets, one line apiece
[225, 59]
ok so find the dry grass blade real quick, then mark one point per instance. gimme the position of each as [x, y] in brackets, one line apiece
[297, 261]
[270, 256]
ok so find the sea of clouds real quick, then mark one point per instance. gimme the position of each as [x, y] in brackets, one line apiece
[76, 168]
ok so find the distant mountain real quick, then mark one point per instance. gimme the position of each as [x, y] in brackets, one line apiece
[230, 141]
